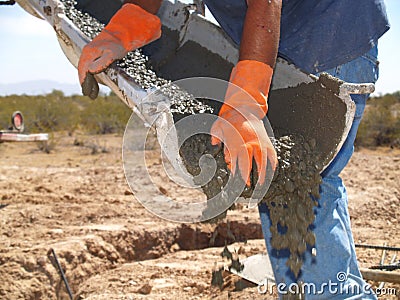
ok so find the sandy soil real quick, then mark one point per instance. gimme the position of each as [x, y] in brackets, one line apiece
[79, 204]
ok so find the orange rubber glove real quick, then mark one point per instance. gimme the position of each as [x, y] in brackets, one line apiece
[130, 28]
[240, 124]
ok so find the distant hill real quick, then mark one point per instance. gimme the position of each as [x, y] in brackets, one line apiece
[40, 87]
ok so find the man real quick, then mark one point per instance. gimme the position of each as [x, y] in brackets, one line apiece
[334, 36]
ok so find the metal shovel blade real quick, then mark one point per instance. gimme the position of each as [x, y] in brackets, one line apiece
[256, 269]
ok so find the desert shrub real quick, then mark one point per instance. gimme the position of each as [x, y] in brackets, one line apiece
[381, 122]
[96, 147]
[54, 115]
[105, 115]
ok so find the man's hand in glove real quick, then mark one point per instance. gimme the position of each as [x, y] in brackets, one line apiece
[240, 124]
[130, 28]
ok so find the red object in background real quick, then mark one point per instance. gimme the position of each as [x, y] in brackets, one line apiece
[17, 121]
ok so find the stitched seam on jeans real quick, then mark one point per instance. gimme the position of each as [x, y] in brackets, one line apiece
[370, 58]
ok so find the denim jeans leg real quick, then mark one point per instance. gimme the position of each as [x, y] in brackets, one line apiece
[336, 261]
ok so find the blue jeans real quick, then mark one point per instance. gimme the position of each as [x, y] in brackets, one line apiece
[335, 249]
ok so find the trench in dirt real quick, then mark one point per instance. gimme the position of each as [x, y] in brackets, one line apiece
[137, 246]
[108, 247]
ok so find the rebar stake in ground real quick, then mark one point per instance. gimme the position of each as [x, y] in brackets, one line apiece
[62, 274]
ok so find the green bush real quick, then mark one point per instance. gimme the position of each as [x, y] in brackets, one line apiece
[381, 122]
[105, 115]
[52, 114]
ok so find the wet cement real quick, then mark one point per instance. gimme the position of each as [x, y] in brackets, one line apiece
[312, 110]
[191, 151]
[292, 196]
[217, 278]
[102, 10]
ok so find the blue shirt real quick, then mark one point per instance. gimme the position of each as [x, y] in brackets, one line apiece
[316, 35]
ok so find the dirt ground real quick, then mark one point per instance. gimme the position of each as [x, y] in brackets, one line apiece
[76, 201]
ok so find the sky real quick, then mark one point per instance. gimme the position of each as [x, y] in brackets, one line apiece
[29, 50]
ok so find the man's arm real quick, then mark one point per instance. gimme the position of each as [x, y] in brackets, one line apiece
[261, 31]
